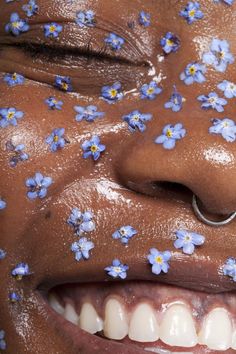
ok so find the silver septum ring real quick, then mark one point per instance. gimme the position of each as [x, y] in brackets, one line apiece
[201, 217]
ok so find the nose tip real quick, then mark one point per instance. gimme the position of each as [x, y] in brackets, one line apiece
[207, 170]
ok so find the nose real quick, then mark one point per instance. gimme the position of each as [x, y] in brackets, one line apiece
[200, 162]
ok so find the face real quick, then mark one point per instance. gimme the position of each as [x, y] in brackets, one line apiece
[125, 111]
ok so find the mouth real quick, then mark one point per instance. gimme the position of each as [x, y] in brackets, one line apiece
[143, 316]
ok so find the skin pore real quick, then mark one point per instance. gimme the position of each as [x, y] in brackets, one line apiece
[134, 182]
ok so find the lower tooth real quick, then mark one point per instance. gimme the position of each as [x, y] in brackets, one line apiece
[143, 324]
[71, 315]
[54, 303]
[216, 332]
[115, 324]
[89, 320]
[177, 327]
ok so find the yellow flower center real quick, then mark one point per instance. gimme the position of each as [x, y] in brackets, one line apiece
[14, 76]
[56, 138]
[150, 90]
[52, 28]
[221, 54]
[192, 13]
[136, 117]
[159, 260]
[10, 115]
[226, 124]
[94, 148]
[113, 93]
[169, 133]
[169, 42]
[187, 238]
[192, 70]
[64, 85]
[16, 24]
[117, 269]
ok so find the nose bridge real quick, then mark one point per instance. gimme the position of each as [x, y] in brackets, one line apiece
[198, 161]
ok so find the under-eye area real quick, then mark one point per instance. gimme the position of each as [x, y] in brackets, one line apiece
[149, 316]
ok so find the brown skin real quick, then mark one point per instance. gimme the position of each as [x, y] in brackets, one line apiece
[36, 231]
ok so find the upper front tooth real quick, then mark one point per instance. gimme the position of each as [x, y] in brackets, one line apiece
[70, 314]
[216, 331]
[115, 324]
[177, 327]
[234, 340]
[55, 304]
[89, 320]
[143, 325]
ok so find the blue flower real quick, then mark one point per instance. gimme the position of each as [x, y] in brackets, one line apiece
[81, 222]
[188, 240]
[212, 101]
[117, 269]
[21, 270]
[124, 233]
[193, 72]
[14, 297]
[3, 204]
[88, 113]
[63, 83]
[170, 43]
[9, 116]
[112, 94]
[2, 254]
[92, 148]
[229, 88]
[192, 12]
[85, 18]
[16, 26]
[18, 153]
[229, 268]
[159, 261]
[175, 102]
[228, 2]
[31, 8]
[56, 139]
[114, 41]
[136, 120]
[3, 344]
[14, 79]
[225, 127]
[219, 56]
[38, 186]
[150, 91]
[53, 103]
[144, 19]
[52, 29]
[170, 134]
[81, 248]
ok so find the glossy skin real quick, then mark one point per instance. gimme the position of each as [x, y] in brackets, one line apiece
[36, 231]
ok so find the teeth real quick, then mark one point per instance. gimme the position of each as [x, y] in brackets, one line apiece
[177, 327]
[53, 301]
[234, 340]
[89, 320]
[115, 324]
[143, 325]
[216, 332]
[70, 314]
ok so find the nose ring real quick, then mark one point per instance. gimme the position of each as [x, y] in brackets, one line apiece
[202, 218]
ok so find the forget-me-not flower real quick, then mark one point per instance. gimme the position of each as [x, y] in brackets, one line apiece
[14, 79]
[92, 148]
[21, 270]
[81, 248]
[159, 261]
[14, 297]
[170, 43]
[52, 29]
[53, 103]
[219, 56]
[31, 8]
[176, 101]
[9, 116]
[85, 18]
[150, 91]
[136, 120]
[117, 269]
[38, 186]
[113, 93]
[194, 72]
[19, 154]
[3, 204]
[81, 222]
[212, 101]
[16, 26]
[3, 345]
[229, 268]
[89, 113]
[228, 2]
[228, 87]
[225, 127]
[170, 134]
[63, 83]
[144, 19]
[124, 233]
[114, 41]
[2, 254]
[56, 140]
[188, 240]
[192, 12]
